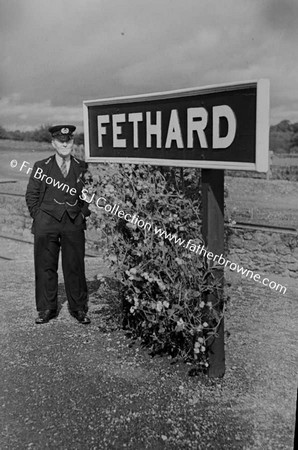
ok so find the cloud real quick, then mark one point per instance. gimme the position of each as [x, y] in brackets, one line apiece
[14, 114]
[73, 50]
[282, 16]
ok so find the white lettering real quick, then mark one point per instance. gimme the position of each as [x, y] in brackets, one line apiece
[84, 193]
[118, 118]
[272, 284]
[100, 129]
[223, 141]
[197, 126]
[57, 183]
[24, 164]
[153, 129]
[100, 198]
[135, 118]
[158, 137]
[39, 171]
[67, 187]
[174, 130]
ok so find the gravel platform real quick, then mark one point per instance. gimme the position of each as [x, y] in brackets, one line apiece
[68, 386]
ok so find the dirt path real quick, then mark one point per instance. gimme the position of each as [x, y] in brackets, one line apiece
[66, 386]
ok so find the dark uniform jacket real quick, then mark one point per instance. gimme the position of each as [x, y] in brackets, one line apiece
[52, 199]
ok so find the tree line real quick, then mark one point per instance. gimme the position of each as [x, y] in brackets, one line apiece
[283, 136]
[40, 134]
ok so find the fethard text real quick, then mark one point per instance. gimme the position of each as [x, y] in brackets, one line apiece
[164, 135]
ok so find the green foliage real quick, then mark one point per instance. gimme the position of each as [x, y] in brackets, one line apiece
[3, 133]
[164, 285]
[79, 139]
[78, 151]
[40, 134]
[284, 137]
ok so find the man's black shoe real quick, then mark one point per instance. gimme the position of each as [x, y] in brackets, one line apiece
[81, 317]
[45, 316]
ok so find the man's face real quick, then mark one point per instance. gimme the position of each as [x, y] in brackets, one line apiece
[63, 148]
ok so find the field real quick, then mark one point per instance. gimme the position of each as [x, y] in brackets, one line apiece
[255, 401]
[20, 151]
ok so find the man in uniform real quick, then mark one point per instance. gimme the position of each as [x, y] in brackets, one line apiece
[58, 212]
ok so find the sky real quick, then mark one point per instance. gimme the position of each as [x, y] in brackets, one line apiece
[57, 53]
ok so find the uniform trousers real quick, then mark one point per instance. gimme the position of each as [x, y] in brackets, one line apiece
[50, 235]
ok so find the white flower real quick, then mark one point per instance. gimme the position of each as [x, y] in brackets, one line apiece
[166, 304]
[205, 324]
[158, 306]
[202, 304]
[180, 325]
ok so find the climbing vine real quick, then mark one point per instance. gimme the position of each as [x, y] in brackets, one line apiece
[164, 286]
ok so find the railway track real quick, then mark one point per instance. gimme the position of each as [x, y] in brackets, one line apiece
[242, 225]
[235, 225]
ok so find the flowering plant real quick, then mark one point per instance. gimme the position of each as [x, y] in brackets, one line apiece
[164, 286]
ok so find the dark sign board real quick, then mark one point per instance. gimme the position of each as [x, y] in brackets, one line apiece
[220, 127]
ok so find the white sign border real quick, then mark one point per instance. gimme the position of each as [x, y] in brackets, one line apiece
[262, 127]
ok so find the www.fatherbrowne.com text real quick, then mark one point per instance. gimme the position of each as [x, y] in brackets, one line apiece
[101, 203]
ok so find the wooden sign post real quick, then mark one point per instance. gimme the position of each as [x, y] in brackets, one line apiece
[213, 235]
[213, 128]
